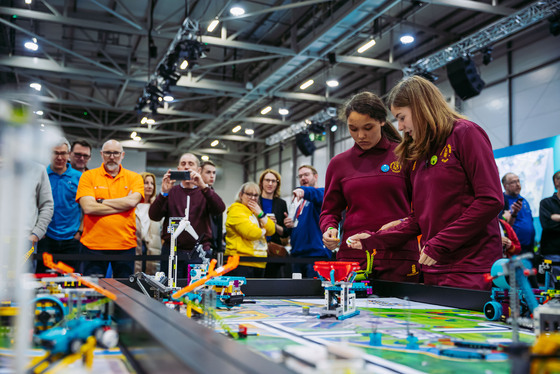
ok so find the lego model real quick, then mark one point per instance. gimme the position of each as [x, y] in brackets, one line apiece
[340, 291]
[513, 297]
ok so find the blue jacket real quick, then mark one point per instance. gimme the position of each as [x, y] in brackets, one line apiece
[307, 238]
[523, 225]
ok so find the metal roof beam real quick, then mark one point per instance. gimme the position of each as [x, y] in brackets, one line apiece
[473, 5]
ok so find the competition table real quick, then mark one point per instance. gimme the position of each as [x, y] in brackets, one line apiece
[160, 339]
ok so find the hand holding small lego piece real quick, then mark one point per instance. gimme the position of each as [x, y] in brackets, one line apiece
[330, 239]
[354, 241]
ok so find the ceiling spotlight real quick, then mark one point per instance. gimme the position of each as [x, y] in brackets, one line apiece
[266, 110]
[332, 83]
[144, 120]
[168, 98]
[283, 111]
[237, 11]
[137, 138]
[35, 86]
[334, 127]
[307, 121]
[32, 46]
[39, 112]
[150, 121]
[133, 134]
[306, 84]
[28, 1]
[214, 143]
[205, 158]
[249, 131]
[184, 65]
[212, 26]
[366, 46]
[236, 128]
[407, 39]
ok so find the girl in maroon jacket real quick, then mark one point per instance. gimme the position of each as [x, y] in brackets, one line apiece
[369, 183]
[456, 193]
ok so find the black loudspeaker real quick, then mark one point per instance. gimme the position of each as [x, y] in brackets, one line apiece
[464, 78]
[304, 144]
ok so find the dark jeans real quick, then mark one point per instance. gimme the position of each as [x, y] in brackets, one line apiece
[65, 247]
[182, 265]
[306, 270]
[247, 272]
[121, 269]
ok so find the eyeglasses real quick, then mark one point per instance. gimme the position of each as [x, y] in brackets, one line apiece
[303, 175]
[81, 155]
[270, 180]
[61, 154]
[252, 195]
[109, 154]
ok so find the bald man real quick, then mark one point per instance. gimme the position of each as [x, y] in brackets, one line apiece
[108, 196]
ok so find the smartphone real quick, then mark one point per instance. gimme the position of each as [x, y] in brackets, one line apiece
[520, 200]
[180, 175]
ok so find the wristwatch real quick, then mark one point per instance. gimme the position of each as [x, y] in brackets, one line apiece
[100, 201]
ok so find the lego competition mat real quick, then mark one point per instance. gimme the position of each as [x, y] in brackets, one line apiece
[274, 324]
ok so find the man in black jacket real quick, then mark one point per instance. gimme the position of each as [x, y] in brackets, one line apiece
[549, 214]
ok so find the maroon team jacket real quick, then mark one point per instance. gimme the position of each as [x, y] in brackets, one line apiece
[456, 199]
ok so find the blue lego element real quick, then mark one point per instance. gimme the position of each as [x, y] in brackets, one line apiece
[412, 342]
[464, 353]
[348, 315]
[69, 339]
[493, 310]
[375, 339]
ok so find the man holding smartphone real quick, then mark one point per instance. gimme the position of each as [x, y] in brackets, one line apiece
[172, 201]
[517, 212]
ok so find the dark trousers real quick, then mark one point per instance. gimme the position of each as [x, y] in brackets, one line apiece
[182, 265]
[63, 247]
[247, 272]
[121, 269]
[306, 270]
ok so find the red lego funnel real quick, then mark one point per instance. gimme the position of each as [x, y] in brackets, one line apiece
[341, 269]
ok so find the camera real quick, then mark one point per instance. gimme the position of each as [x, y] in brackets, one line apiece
[180, 175]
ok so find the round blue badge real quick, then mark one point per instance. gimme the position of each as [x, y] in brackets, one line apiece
[385, 168]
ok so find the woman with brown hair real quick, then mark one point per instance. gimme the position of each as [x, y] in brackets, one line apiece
[275, 208]
[147, 231]
[368, 181]
[456, 192]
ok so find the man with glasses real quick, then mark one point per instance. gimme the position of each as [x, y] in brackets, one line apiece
[208, 173]
[172, 201]
[80, 153]
[63, 233]
[517, 212]
[307, 238]
[108, 196]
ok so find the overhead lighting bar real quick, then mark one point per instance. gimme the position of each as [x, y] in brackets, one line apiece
[236, 129]
[296, 128]
[184, 65]
[489, 35]
[214, 143]
[366, 46]
[266, 110]
[306, 84]
[249, 131]
[212, 26]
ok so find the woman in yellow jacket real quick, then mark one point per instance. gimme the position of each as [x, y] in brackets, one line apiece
[247, 227]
